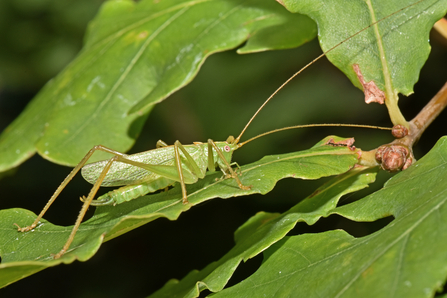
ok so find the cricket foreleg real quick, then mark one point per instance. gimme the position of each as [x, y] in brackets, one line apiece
[232, 174]
[237, 171]
[238, 168]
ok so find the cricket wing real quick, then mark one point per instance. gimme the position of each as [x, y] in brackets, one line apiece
[125, 174]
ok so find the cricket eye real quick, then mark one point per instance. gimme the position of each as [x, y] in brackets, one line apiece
[227, 148]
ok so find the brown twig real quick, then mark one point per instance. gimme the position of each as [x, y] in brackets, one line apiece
[398, 155]
[441, 27]
[428, 114]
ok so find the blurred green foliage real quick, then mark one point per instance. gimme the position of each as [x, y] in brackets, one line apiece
[39, 37]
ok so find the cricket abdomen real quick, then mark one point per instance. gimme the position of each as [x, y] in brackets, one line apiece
[130, 192]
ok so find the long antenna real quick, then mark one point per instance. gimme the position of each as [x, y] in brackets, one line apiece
[309, 64]
[313, 125]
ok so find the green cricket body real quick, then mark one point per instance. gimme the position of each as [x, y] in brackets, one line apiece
[138, 181]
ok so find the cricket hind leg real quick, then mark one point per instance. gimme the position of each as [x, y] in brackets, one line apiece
[64, 184]
[118, 157]
[86, 204]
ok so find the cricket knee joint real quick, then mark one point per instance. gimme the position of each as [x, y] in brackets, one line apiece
[161, 144]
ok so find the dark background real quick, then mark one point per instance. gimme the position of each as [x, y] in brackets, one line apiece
[38, 38]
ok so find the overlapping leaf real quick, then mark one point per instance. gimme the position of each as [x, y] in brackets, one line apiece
[26, 253]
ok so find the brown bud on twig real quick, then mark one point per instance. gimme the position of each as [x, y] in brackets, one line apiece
[407, 163]
[393, 158]
[379, 153]
[399, 131]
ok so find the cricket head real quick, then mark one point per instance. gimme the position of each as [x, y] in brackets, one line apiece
[234, 141]
[226, 148]
[229, 146]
